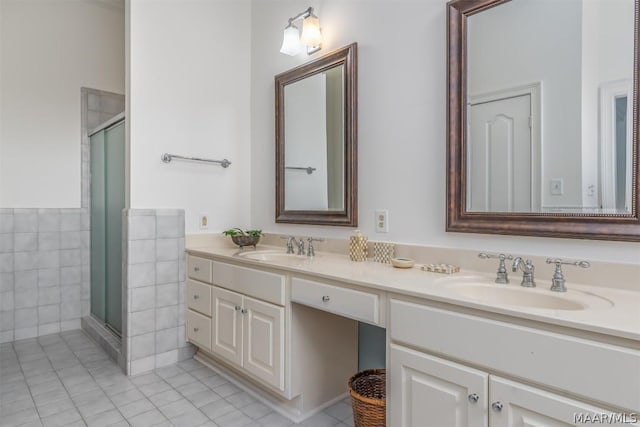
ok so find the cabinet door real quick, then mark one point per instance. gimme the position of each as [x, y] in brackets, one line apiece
[263, 341]
[226, 324]
[429, 391]
[517, 405]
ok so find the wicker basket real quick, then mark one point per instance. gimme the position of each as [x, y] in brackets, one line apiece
[243, 241]
[368, 393]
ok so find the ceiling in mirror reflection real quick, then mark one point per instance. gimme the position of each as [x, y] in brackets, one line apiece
[549, 107]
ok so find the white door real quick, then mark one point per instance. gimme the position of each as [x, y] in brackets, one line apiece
[263, 341]
[500, 153]
[426, 391]
[226, 325]
[517, 405]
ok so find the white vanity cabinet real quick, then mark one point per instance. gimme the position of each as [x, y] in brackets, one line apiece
[425, 389]
[517, 405]
[430, 391]
[242, 320]
[250, 334]
[244, 323]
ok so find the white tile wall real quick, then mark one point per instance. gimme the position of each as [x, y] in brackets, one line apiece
[42, 257]
[155, 265]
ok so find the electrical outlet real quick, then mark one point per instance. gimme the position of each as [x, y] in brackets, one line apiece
[556, 187]
[204, 221]
[382, 221]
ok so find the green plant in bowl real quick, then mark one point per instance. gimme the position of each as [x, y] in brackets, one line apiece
[243, 238]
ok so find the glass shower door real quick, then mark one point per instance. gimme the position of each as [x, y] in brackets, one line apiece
[98, 227]
[107, 203]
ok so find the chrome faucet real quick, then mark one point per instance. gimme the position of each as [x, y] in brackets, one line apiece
[527, 271]
[311, 252]
[300, 247]
[557, 281]
[501, 275]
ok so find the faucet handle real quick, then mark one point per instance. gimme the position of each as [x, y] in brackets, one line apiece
[502, 276]
[557, 281]
[558, 262]
[501, 257]
[310, 249]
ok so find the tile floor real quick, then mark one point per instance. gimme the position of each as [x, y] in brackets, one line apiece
[66, 379]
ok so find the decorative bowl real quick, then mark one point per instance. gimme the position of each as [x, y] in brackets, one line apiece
[243, 241]
[402, 262]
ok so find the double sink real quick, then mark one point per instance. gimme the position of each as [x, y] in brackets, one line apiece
[479, 289]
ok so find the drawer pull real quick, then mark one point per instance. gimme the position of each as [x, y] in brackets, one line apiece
[244, 311]
[326, 298]
[196, 297]
[496, 406]
[473, 398]
[237, 307]
[196, 329]
[196, 269]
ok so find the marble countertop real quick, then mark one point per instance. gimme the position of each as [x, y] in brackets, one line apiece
[614, 312]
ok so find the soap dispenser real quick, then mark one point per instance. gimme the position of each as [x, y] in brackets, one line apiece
[358, 247]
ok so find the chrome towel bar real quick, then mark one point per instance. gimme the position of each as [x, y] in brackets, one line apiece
[166, 157]
[309, 169]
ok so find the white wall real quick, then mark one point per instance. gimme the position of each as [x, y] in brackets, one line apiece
[305, 127]
[188, 94]
[607, 55]
[49, 49]
[402, 125]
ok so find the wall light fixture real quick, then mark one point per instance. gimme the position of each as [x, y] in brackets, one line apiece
[311, 36]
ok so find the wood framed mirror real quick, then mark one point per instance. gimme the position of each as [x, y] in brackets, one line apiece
[316, 141]
[543, 118]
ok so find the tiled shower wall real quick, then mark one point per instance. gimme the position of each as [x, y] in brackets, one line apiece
[153, 298]
[45, 253]
[44, 271]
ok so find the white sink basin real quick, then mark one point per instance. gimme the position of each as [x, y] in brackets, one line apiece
[515, 295]
[272, 255]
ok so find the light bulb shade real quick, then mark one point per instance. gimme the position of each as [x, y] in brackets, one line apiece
[311, 35]
[291, 41]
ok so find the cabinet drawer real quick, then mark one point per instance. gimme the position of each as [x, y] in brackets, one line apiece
[346, 302]
[199, 297]
[560, 361]
[199, 329]
[248, 281]
[199, 268]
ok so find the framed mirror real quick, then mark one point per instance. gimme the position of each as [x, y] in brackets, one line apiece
[316, 141]
[543, 118]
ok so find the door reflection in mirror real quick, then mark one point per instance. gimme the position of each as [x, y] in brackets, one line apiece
[575, 50]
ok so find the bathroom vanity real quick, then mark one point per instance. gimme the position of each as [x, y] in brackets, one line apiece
[284, 325]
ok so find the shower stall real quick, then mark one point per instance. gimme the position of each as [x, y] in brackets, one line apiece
[107, 165]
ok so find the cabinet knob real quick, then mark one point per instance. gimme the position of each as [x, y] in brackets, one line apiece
[196, 297]
[326, 298]
[196, 329]
[237, 307]
[473, 398]
[243, 311]
[496, 406]
[196, 269]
